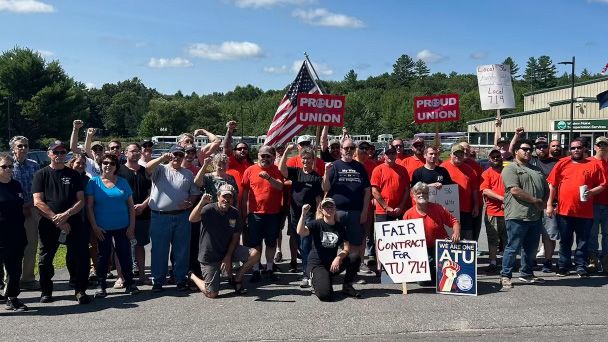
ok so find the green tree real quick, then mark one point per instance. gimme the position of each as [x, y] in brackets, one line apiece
[531, 75]
[404, 70]
[514, 67]
[421, 69]
[546, 72]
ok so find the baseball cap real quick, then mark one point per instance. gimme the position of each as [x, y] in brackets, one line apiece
[494, 150]
[177, 148]
[147, 143]
[328, 200]
[601, 139]
[456, 148]
[501, 140]
[334, 142]
[540, 140]
[96, 143]
[57, 144]
[303, 138]
[190, 148]
[365, 144]
[226, 189]
[417, 139]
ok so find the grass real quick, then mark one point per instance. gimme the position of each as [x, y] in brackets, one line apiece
[58, 261]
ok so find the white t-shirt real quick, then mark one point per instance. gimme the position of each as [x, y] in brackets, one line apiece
[91, 168]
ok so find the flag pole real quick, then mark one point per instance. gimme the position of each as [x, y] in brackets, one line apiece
[319, 128]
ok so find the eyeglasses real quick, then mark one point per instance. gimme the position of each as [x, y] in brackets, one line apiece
[348, 148]
[573, 148]
[241, 148]
[111, 163]
[304, 143]
[22, 146]
[178, 155]
[526, 149]
[418, 145]
[602, 144]
[458, 154]
[116, 147]
[97, 148]
[59, 152]
[4, 167]
[398, 145]
[541, 147]
[265, 156]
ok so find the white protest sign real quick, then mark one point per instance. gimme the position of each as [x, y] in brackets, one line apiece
[401, 249]
[495, 88]
[447, 197]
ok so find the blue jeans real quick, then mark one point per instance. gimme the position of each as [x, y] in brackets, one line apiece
[304, 243]
[600, 218]
[568, 226]
[170, 230]
[522, 235]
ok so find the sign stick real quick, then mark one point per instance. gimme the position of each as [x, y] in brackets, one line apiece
[404, 288]
[437, 143]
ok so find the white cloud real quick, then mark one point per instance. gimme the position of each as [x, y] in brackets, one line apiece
[430, 57]
[276, 70]
[600, 1]
[268, 3]
[90, 85]
[176, 62]
[25, 6]
[225, 51]
[321, 69]
[45, 53]
[479, 55]
[323, 17]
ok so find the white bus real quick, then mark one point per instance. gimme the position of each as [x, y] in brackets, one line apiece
[446, 139]
[357, 138]
[385, 138]
[164, 139]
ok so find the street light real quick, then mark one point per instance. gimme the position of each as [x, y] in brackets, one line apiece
[8, 117]
[571, 99]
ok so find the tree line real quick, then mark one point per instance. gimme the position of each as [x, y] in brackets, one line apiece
[39, 100]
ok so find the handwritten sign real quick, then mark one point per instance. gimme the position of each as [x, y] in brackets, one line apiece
[436, 108]
[456, 267]
[495, 88]
[447, 197]
[320, 110]
[402, 251]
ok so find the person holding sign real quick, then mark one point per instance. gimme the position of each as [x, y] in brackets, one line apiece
[435, 219]
[493, 190]
[324, 261]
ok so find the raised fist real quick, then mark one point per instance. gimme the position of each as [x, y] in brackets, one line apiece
[78, 124]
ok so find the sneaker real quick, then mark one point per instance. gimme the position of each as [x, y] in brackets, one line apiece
[593, 264]
[131, 289]
[92, 276]
[547, 266]
[119, 284]
[100, 293]
[157, 288]
[255, 277]
[110, 275]
[350, 291]
[278, 257]
[361, 281]
[562, 272]
[492, 269]
[83, 298]
[506, 283]
[30, 285]
[14, 304]
[46, 299]
[582, 274]
[365, 269]
[304, 283]
[293, 267]
[182, 287]
[531, 279]
[271, 276]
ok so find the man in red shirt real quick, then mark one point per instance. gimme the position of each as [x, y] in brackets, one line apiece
[575, 206]
[398, 145]
[262, 195]
[493, 190]
[296, 161]
[469, 159]
[238, 159]
[600, 213]
[411, 163]
[466, 179]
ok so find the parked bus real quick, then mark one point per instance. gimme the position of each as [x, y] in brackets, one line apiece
[446, 139]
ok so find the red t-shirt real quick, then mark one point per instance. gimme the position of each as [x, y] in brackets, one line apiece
[412, 163]
[296, 161]
[601, 198]
[466, 179]
[235, 164]
[392, 181]
[263, 198]
[369, 166]
[568, 176]
[401, 157]
[491, 179]
[434, 221]
[238, 179]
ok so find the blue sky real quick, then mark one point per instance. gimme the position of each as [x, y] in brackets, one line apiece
[215, 45]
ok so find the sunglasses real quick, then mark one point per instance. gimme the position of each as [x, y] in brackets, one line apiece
[4, 167]
[178, 155]
[115, 147]
[59, 152]
[398, 145]
[573, 148]
[111, 163]
[418, 145]
[348, 148]
[22, 146]
[97, 148]
[602, 145]
[241, 148]
[364, 148]
[306, 143]
[187, 141]
[541, 147]
[458, 154]
[525, 149]
[265, 156]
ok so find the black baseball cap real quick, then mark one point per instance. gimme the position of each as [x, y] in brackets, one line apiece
[57, 144]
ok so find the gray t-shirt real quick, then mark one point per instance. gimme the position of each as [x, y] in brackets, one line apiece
[530, 179]
[217, 229]
[545, 165]
[171, 187]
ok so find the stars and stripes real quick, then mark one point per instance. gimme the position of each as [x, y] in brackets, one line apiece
[605, 69]
[283, 126]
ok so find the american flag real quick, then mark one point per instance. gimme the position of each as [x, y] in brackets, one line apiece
[605, 69]
[283, 126]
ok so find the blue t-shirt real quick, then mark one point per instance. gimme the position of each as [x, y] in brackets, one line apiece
[347, 183]
[111, 206]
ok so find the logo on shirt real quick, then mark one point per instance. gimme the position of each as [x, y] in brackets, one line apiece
[232, 223]
[439, 178]
[66, 180]
[329, 240]
[20, 195]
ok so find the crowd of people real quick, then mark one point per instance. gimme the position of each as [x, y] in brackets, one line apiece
[211, 212]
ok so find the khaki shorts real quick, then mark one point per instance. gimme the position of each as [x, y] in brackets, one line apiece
[495, 229]
[211, 271]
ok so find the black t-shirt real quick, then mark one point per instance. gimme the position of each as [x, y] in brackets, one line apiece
[59, 187]
[545, 165]
[12, 232]
[437, 175]
[305, 187]
[326, 156]
[347, 183]
[140, 185]
[325, 242]
[217, 229]
[83, 212]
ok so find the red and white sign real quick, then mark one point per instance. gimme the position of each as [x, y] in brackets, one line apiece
[436, 108]
[320, 110]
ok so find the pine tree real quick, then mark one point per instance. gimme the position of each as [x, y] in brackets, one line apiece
[403, 70]
[514, 67]
[421, 69]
